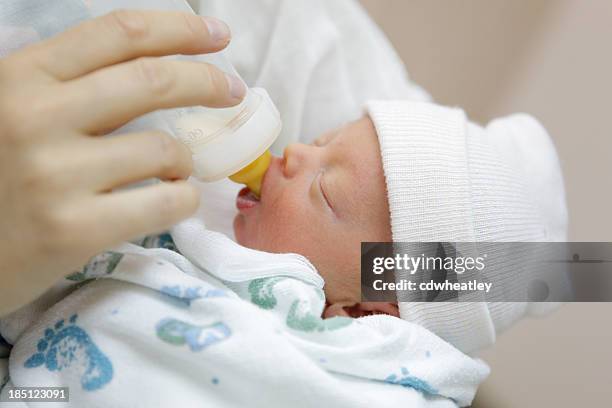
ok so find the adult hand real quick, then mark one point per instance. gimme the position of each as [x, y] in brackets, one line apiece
[57, 176]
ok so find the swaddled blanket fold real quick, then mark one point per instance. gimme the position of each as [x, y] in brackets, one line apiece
[150, 327]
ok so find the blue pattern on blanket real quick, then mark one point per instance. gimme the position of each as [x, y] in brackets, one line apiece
[191, 293]
[70, 347]
[159, 241]
[407, 380]
[178, 333]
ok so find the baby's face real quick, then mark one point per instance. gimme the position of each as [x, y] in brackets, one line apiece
[321, 201]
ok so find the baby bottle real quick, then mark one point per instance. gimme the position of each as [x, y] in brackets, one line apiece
[224, 141]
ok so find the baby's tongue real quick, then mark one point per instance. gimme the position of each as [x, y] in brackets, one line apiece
[246, 199]
[251, 195]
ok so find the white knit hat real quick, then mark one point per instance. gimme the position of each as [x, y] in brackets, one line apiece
[450, 180]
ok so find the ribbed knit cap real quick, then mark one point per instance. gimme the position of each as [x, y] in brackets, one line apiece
[450, 180]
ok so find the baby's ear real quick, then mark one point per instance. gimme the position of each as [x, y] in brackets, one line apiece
[361, 309]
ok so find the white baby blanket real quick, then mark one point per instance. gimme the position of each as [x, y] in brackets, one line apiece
[157, 330]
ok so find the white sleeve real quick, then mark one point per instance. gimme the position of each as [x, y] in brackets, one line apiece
[319, 60]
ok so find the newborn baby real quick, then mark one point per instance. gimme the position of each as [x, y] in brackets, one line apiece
[321, 201]
[225, 320]
[444, 178]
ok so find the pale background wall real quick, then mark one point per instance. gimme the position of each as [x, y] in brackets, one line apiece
[553, 59]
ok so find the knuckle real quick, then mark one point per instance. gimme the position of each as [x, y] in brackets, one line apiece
[16, 114]
[58, 230]
[193, 27]
[216, 79]
[41, 108]
[13, 120]
[168, 152]
[10, 127]
[170, 204]
[189, 198]
[156, 75]
[177, 201]
[130, 24]
[192, 198]
[36, 173]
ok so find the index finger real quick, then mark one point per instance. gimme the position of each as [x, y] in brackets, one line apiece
[124, 35]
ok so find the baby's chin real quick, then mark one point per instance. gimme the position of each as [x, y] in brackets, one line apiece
[240, 230]
[259, 239]
[244, 234]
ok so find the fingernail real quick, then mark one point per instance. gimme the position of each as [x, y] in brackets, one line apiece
[218, 30]
[237, 88]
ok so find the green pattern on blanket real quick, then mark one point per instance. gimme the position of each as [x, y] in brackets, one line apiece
[100, 265]
[261, 292]
[300, 315]
[106, 262]
[300, 318]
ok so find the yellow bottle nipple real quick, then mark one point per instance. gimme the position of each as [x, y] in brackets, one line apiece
[252, 174]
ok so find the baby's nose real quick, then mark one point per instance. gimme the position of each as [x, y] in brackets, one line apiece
[295, 158]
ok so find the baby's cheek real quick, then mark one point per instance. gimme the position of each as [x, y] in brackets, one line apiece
[285, 211]
[342, 277]
[287, 228]
[283, 234]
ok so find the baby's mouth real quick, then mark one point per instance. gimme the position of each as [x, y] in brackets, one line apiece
[246, 200]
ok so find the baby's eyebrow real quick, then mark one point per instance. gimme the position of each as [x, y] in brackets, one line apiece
[325, 138]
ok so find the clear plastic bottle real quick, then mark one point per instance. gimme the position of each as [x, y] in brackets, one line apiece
[223, 141]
